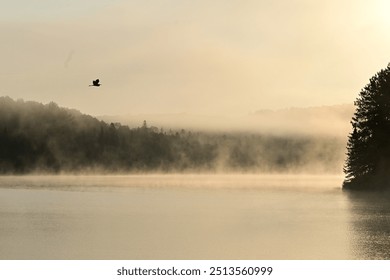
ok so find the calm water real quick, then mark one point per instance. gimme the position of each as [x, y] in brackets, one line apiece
[189, 217]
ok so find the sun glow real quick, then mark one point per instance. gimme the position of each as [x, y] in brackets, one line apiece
[380, 12]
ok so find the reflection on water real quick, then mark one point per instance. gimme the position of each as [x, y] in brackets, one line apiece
[187, 217]
[370, 222]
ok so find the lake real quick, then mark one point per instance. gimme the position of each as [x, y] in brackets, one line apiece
[190, 217]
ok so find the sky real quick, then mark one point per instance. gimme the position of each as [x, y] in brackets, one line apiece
[191, 56]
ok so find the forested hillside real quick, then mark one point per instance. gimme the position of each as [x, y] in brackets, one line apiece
[47, 138]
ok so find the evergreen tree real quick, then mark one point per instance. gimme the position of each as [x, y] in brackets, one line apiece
[368, 149]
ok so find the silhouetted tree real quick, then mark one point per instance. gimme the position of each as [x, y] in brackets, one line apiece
[368, 149]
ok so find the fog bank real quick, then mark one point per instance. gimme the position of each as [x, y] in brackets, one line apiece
[312, 121]
[47, 138]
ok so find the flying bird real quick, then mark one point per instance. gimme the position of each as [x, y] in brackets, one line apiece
[95, 83]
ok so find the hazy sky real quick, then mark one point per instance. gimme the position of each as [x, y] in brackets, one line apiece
[194, 56]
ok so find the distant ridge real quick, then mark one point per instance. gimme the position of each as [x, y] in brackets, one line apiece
[340, 110]
[321, 120]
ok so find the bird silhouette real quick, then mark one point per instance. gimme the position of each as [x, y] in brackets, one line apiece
[95, 83]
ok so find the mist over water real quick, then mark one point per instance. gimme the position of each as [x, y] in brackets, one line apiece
[50, 139]
[185, 217]
[216, 207]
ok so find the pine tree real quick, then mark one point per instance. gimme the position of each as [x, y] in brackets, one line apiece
[368, 149]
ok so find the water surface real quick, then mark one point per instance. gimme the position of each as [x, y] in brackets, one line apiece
[189, 217]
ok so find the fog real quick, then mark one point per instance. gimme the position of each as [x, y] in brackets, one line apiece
[311, 121]
[155, 217]
[48, 138]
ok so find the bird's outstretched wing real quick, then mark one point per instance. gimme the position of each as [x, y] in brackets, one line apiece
[95, 83]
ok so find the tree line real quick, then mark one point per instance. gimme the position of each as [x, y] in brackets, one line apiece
[46, 138]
